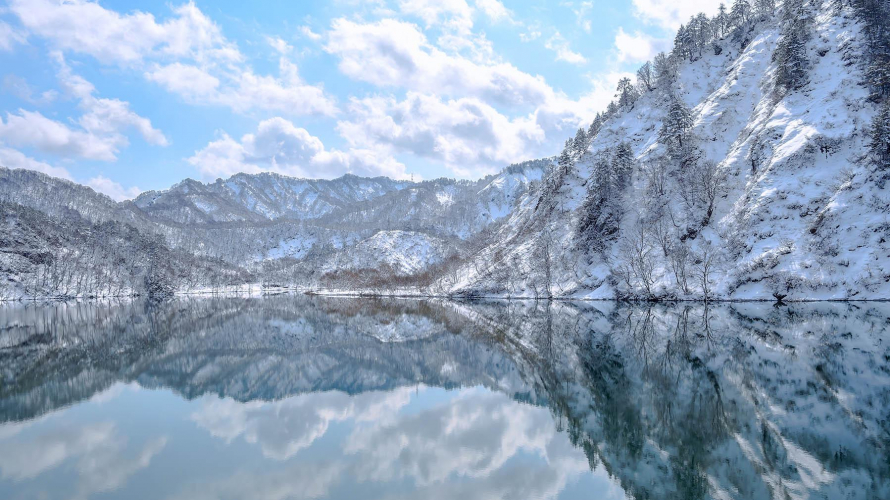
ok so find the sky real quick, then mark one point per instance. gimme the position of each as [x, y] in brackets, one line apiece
[132, 95]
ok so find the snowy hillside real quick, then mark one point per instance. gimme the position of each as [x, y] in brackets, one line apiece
[261, 197]
[749, 162]
[271, 227]
[772, 193]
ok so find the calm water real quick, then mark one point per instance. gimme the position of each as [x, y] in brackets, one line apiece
[290, 397]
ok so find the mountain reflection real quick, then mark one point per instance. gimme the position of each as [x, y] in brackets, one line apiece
[516, 399]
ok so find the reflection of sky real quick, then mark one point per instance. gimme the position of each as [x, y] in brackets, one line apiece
[414, 442]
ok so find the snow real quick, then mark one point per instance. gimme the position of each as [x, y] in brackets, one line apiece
[807, 209]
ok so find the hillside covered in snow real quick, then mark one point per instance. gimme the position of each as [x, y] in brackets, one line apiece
[749, 162]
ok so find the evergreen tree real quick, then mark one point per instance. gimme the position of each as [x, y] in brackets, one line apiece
[622, 166]
[880, 138]
[580, 143]
[595, 126]
[875, 15]
[740, 14]
[791, 51]
[676, 124]
[564, 161]
[600, 214]
[627, 93]
[681, 43]
[721, 22]
[765, 8]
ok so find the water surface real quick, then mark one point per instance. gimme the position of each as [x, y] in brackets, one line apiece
[290, 397]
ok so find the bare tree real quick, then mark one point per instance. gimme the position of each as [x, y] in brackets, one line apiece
[705, 267]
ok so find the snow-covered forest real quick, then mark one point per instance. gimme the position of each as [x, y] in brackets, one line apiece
[750, 162]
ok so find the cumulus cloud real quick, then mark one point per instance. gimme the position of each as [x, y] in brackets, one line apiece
[100, 131]
[392, 53]
[637, 47]
[191, 82]
[106, 117]
[245, 90]
[88, 28]
[467, 134]
[32, 129]
[495, 10]
[112, 189]
[670, 14]
[557, 43]
[11, 158]
[307, 32]
[186, 54]
[455, 14]
[279, 45]
[280, 146]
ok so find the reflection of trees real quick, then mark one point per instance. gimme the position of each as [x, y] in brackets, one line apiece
[673, 401]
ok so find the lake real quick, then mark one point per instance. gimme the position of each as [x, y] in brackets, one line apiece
[294, 397]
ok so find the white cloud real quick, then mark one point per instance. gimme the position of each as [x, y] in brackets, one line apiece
[10, 158]
[20, 88]
[88, 28]
[391, 53]
[582, 13]
[669, 14]
[244, 90]
[533, 33]
[308, 33]
[279, 45]
[495, 10]
[638, 47]
[468, 135]
[455, 14]
[189, 81]
[100, 134]
[187, 54]
[9, 36]
[32, 129]
[280, 146]
[557, 43]
[112, 189]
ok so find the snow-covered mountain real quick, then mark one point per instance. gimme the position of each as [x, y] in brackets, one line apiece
[750, 162]
[267, 225]
[720, 178]
[261, 197]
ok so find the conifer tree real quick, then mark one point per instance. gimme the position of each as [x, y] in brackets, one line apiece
[791, 52]
[580, 143]
[740, 14]
[676, 124]
[765, 8]
[622, 166]
[721, 22]
[627, 93]
[880, 138]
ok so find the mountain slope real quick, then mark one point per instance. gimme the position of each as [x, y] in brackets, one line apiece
[772, 194]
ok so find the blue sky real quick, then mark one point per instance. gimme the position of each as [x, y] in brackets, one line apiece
[126, 96]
